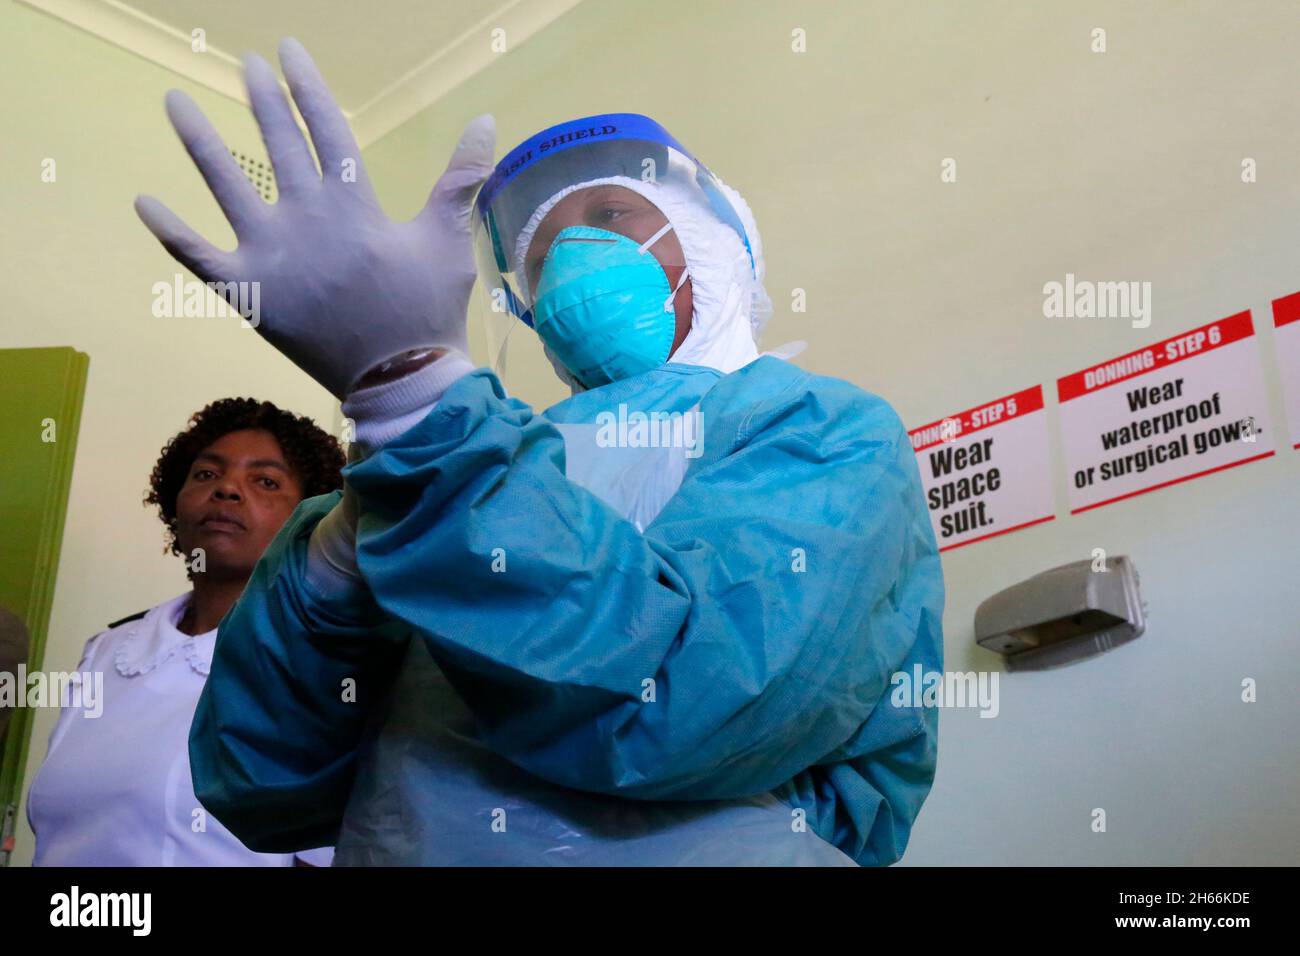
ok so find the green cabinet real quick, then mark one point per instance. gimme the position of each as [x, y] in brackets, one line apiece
[41, 393]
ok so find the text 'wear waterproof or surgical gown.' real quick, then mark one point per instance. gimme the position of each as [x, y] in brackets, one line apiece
[570, 654]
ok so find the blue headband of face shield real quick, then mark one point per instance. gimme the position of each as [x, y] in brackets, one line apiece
[608, 144]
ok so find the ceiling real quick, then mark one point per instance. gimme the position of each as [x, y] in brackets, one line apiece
[385, 61]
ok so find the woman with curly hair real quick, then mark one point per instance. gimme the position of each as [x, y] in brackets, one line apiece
[116, 790]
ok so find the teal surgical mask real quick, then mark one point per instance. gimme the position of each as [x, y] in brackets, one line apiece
[603, 305]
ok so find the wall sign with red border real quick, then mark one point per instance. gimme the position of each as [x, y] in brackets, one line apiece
[1286, 337]
[1186, 407]
[985, 470]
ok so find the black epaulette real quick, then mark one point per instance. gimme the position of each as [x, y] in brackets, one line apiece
[129, 618]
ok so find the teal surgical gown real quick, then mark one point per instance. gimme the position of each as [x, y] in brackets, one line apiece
[571, 648]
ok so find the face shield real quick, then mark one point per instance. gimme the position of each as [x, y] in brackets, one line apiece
[572, 244]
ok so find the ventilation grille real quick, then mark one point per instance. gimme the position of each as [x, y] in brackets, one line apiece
[259, 174]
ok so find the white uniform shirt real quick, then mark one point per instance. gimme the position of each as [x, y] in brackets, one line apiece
[115, 790]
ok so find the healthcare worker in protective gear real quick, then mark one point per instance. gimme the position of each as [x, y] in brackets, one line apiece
[656, 623]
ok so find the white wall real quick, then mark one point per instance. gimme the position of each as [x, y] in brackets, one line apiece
[1116, 166]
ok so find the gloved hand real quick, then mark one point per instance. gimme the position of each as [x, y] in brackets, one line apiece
[342, 286]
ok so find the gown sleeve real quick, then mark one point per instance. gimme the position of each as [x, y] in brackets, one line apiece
[296, 676]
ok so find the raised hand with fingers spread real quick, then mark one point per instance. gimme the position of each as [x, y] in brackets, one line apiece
[341, 286]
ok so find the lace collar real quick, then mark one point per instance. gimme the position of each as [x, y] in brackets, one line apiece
[155, 639]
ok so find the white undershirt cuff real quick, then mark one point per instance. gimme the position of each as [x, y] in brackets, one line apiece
[382, 412]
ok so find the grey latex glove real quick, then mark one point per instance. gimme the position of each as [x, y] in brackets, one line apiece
[342, 287]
